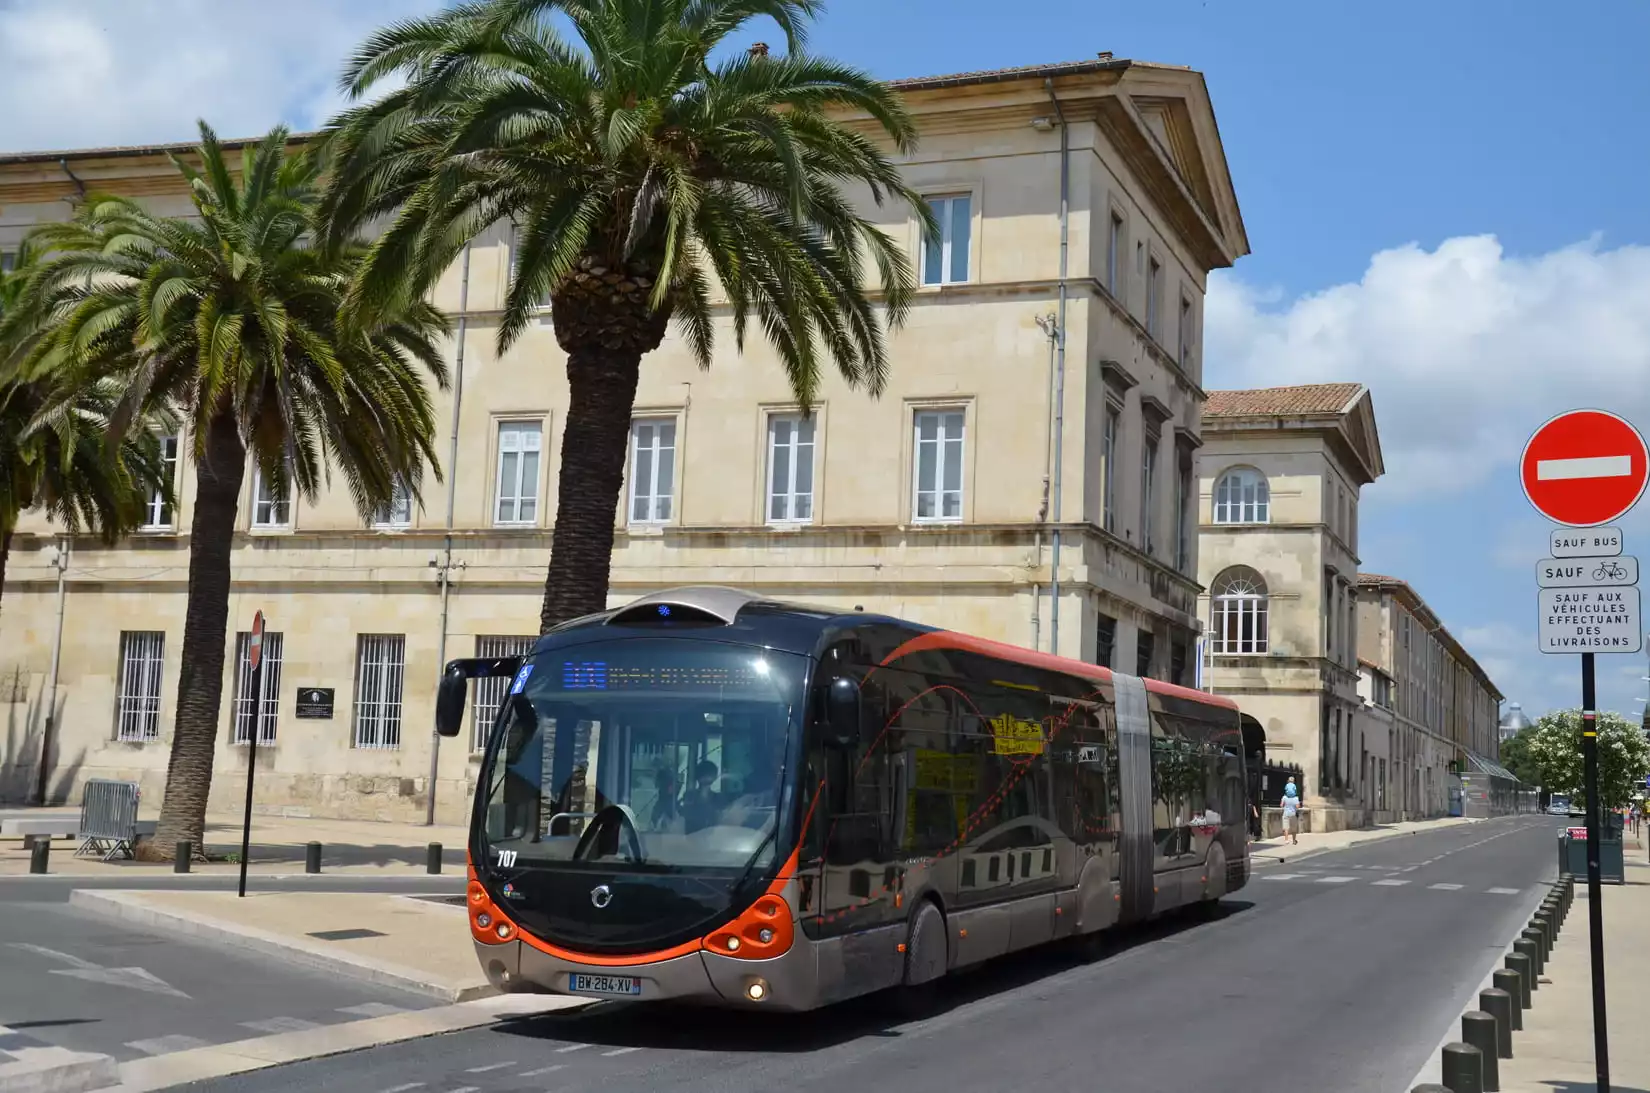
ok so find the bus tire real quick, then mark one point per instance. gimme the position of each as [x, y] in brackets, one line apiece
[927, 958]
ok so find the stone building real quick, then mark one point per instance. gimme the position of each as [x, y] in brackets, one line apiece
[1279, 478]
[1445, 709]
[967, 496]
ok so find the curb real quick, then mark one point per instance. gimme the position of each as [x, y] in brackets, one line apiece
[123, 906]
[1268, 853]
[56, 1070]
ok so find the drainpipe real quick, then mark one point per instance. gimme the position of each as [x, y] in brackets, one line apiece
[445, 568]
[1059, 369]
[1046, 324]
[59, 562]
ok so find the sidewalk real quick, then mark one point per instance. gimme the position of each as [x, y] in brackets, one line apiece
[1554, 1051]
[348, 846]
[1311, 842]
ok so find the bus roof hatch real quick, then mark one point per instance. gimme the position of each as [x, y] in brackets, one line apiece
[690, 603]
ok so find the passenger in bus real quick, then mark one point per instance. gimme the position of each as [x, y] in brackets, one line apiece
[667, 813]
[701, 805]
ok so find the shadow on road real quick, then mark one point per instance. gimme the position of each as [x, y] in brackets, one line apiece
[671, 1025]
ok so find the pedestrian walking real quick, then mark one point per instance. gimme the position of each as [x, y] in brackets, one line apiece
[1291, 808]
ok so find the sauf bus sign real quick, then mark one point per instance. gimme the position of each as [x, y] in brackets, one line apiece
[1585, 469]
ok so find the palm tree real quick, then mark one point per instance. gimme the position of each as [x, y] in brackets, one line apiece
[635, 170]
[234, 320]
[55, 451]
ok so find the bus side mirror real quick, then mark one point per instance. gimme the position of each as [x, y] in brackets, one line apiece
[450, 699]
[842, 713]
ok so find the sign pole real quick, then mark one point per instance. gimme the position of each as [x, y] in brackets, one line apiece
[1595, 900]
[255, 648]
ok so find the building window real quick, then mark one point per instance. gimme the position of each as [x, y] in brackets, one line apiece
[519, 447]
[489, 693]
[1186, 331]
[1145, 644]
[1242, 497]
[1239, 621]
[1351, 630]
[1154, 293]
[945, 256]
[8, 261]
[1148, 493]
[158, 514]
[938, 477]
[652, 469]
[242, 706]
[1108, 473]
[790, 469]
[142, 662]
[1105, 640]
[398, 513]
[1114, 254]
[1177, 662]
[380, 661]
[1183, 511]
[271, 507]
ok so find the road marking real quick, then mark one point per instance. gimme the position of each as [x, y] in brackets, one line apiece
[165, 1045]
[374, 1009]
[403, 1088]
[135, 978]
[281, 1024]
[619, 1051]
[1598, 466]
[571, 1047]
[1283, 876]
[465, 1089]
[1445, 887]
[1335, 880]
[489, 1066]
[1389, 883]
[525, 1073]
[1503, 891]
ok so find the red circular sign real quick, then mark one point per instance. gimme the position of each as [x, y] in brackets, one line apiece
[255, 647]
[1584, 468]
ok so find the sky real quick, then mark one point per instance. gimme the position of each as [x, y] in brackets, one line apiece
[1444, 201]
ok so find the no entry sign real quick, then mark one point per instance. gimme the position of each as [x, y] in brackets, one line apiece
[255, 646]
[1584, 468]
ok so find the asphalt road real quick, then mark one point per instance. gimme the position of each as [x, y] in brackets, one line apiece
[89, 983]
[1341, 971]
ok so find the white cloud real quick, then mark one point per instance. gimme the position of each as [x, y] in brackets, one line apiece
[102, 72]
[1465, 348]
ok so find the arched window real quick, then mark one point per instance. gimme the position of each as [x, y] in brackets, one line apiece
[1242, 497]
[1239, 617]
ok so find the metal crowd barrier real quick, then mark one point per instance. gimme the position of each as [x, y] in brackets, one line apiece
[108, 818]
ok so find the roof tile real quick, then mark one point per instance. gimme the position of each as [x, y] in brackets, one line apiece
[1310, 398]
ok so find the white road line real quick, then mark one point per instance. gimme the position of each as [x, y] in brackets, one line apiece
[280, 1024]
[466, 1089]
[619, 1051]
[1389, 883]
[403, 1088]
[525, 1073]
[1598, 466]
[165, 1045]
[1445, 887]
[1283, 876]
[571, 1047]
[1503, 891]
[489, 1066]
[1335, 880]
[373, 1009]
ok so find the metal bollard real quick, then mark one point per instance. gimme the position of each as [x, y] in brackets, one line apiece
[312, 858]
[1478, 1029]
[40, 853]
[1506, 979]
[1522, 962]
[1463, 1069]
[432, 858]
[183, 852]
[1533, 936]
[1499, 1005]
[1540, 921]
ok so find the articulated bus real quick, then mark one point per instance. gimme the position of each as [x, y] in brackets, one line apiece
[707, 795]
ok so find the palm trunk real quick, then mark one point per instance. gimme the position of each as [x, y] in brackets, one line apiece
[602, 318]
[5, 552]
[602, 392]
[218, 476]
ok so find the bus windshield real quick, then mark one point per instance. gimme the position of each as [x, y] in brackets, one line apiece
[642, 754]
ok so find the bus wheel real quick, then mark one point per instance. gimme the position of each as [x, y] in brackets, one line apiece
[927, 954]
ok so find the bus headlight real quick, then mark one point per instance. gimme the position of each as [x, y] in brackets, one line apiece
[766, 935]
[756, 990]
[484, 920]
[503, 931]
[733, 944]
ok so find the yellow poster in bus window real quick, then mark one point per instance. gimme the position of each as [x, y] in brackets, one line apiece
[1014, 736]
